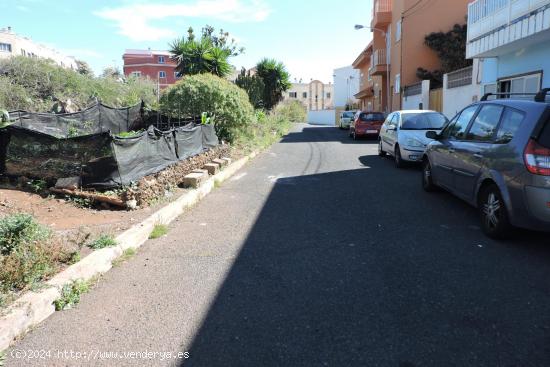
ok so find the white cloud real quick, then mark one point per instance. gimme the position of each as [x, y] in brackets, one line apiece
[134, 21]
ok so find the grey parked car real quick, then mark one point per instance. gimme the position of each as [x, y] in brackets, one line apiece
[496, 156]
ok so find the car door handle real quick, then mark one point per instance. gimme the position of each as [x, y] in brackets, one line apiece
[478, 155]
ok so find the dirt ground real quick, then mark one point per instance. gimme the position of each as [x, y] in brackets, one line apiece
[65, 216]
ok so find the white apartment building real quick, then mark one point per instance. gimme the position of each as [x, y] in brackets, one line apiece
[346, 86]
[12, 44]
[315, 96]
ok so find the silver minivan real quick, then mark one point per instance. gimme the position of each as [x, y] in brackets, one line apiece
[496, 156]
[403, 134]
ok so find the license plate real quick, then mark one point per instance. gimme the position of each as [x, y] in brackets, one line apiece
[372, 131]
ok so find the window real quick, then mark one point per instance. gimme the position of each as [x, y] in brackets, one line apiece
[162, 74]
[328, 95]
[524, 84]
[371, 117]
[511, 122]
[293, 94]
[398, 31]
[136, 74]
[5, 47]
[457, 128]
[397, 84]
[485, 123]
[177, 75]
[161, 59]
[423, 121]
[304, 95]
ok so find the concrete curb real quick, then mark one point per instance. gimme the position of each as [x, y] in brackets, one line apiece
[34, 307]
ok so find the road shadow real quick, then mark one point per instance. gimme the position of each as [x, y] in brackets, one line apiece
[386, 275]
[327, 134]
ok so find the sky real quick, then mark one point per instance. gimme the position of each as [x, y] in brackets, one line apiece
[311, 38]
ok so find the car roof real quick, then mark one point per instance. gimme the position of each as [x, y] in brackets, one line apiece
[417, 111]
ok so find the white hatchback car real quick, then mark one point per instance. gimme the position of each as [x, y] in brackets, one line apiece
[403, 134]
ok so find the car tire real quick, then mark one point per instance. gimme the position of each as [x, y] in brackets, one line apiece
[354, 135]
[350, 133]
[493, 213]
[381, 152]
[399, 163]
[427, 178]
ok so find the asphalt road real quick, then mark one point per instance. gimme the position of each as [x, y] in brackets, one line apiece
[319, 253]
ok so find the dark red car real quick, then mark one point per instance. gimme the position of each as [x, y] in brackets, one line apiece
[366, 124]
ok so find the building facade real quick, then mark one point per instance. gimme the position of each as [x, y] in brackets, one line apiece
[12, 44]
[152, 64]
[371, 94]
[346, 85]
[398, 50]
[315, 96]
[511, 39]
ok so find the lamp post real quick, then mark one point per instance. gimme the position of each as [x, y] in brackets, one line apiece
[360, 26]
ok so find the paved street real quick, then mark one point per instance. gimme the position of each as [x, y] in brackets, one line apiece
[318, 253]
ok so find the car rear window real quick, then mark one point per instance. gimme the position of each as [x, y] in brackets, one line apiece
[372, 117]
[423, 121]
[511, 122]
[544, 138]
[348, 115]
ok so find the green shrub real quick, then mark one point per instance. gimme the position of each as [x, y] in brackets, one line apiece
[32, 84]
[19, 229]
[103, 241]
[226, 103]
[294, 111]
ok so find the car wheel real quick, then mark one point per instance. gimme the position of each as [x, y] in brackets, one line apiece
[354, 135]
[381, 152]
[399, 163]
[341, 127]
[350, 133]
[493, 214]
[427, 178]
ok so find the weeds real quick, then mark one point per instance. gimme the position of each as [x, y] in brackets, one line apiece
[158, 231]
[83, 203]
[28, 255]
[2, 358]
[70, 294]
[126, 255]
[17, 229]
[102, 241]
[37, 186]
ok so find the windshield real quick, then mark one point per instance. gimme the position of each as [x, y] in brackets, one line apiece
[348, 115]
[423, 121]
[377, 116]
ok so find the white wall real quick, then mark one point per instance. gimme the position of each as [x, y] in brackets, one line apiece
[456, 99]
[412, 102]
[346, 84]
[325, 117]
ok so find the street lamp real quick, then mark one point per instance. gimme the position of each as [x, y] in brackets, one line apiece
[372, 29]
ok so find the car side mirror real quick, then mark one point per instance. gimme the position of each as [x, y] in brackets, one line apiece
[432, 135]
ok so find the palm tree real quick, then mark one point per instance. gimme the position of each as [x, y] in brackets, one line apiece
[276, 80]
[200, 56]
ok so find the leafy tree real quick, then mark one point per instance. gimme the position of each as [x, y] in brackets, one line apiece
[112, 72]
[84, 68]
[253, 85]
[209, 54]
[451, 50]
[276, 81]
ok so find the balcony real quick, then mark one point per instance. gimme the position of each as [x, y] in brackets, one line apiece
[378, 62]
[381, 13]
[496, 27]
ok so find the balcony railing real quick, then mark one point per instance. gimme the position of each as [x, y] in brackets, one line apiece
[485, 16]
[378, 57]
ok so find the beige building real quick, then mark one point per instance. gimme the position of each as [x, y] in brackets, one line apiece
[12, 44]
[315, 96]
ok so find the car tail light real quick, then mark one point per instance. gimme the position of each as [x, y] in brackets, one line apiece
[537, 158]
